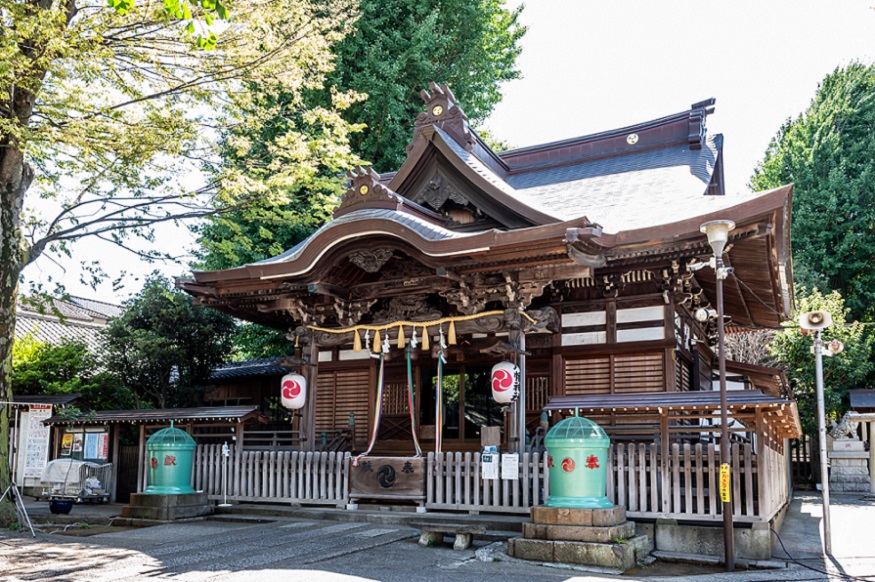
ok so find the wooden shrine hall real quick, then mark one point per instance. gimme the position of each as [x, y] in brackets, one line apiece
[577, 260]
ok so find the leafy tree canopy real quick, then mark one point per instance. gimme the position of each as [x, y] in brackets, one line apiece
[842, 372]
[829, 153]
[65, 368]
[399, 46]
[163, 348]
[109, 112]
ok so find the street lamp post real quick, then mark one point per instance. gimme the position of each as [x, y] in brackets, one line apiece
[718, 234]
[815, 321]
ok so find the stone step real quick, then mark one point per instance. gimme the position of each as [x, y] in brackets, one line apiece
[621, 556]
[579, 533]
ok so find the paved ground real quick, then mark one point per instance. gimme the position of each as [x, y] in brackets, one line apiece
[313, 550]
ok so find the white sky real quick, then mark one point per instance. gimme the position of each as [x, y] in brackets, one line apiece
[591, 66]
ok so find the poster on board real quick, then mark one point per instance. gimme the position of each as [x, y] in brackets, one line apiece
[66, 444]
[91, 451]
[36, 450]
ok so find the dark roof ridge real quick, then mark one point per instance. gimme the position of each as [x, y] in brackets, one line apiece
[689, 129]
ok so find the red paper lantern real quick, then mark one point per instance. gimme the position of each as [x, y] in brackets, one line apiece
[505, 382]
[293, 393]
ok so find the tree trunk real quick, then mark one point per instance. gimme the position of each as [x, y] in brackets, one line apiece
[15, 177]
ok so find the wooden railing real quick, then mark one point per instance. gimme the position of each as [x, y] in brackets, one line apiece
[681, 486]
[685, 486]
[454, 482]
[286, 476]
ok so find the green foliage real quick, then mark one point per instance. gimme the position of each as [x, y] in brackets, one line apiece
[841, 372]
[65, 368]
[253, 341]
[163, 348]
[40, 368]
[399, 46]
[829, 153]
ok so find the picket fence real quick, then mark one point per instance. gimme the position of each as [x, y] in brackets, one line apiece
[681, 486]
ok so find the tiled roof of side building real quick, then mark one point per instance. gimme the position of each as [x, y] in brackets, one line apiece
[51, 331]
[248, 368]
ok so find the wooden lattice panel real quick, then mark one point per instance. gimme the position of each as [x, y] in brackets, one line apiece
[639, 373]
[337, 394]
[589, 376]
[615, 374]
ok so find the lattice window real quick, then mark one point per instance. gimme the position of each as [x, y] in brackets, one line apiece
[615, 374]
[337, 394]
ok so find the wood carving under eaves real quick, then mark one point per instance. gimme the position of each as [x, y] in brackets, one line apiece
[472, 297]
[370, 261]
[349, 313]
[442, 111]
[409, 308]
[437, 191]
[365, 190]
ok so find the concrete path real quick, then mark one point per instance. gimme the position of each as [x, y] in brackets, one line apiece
[304, 549]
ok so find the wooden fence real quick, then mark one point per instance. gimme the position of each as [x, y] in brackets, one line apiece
[454, 482]
[681, 486]
[685, 486]
[282, 476]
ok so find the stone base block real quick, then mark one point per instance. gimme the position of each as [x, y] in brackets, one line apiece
[577, 516]
[620, 556]
[847, 445]
[167, 507]
[579, 533]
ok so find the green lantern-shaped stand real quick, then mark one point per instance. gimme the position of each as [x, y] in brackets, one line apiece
[577, 459]
[170, 453]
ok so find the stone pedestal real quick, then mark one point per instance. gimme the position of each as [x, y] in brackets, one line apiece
[849, 466]
[167, 507]
[593, 537]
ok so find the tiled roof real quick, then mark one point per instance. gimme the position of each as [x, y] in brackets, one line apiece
[425, 229]
[50, 330]
[53, 399]
[631, 191]
[862, 398]
[248, 368]
[206, 413]
[82, 321]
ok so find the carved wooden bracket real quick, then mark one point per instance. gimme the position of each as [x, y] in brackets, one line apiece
[370, 261]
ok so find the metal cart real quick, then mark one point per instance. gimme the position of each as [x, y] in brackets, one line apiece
[77, 481]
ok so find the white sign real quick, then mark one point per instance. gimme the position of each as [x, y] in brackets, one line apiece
[489, 466]
[36, 449]
[510, 466]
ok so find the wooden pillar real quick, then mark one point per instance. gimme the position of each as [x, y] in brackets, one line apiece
[763, 470]
[309, 428]
[141, 460]
[663, 459]
[115, 443]
[238, 460]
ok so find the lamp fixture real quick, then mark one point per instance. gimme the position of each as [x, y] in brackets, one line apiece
[703, 314]
[718, 234]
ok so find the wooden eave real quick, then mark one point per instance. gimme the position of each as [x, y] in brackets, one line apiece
[761, 237]
[782, 415]
[490, 246]
[772, 381]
